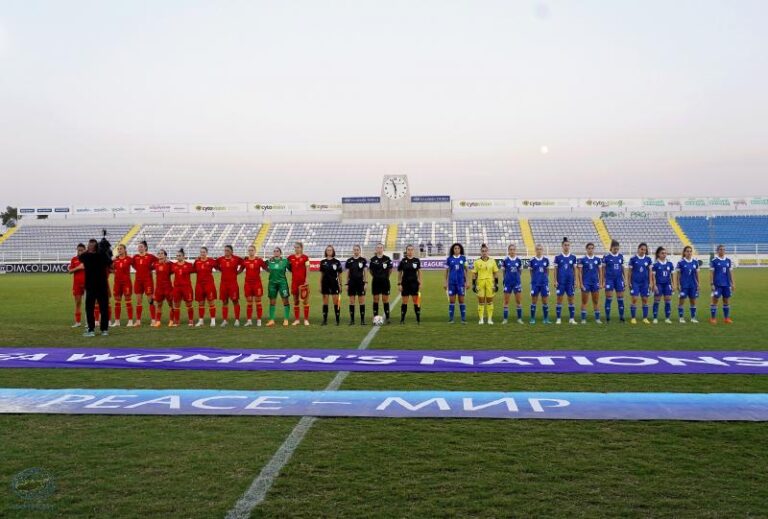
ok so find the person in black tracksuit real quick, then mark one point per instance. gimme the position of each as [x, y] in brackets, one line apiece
[356, 267]
[330, 283]
[380, 268]
[409, 283]
[96, 262]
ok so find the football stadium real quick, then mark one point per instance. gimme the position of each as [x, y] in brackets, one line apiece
[434, 337]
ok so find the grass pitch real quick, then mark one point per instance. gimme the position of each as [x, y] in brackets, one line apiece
[127, 466]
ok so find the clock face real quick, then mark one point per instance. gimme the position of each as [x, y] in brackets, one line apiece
[395, 188]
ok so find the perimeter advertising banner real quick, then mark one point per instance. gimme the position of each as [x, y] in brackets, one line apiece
[100, 210]
[159, 208]
[219, 208]
[34, 268]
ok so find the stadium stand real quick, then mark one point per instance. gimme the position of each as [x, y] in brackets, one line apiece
[316, 236]
[654, 231]
[497, 234]
[580, 231]
[54, 242]
[736, 232]
[193, 236]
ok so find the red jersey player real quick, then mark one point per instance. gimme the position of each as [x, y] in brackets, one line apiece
[205, 287]
[230, 266]
[122, 285]
[78, 284]
[182, 287]
[164, 288]
[298, 264]
[254, 290]
[143, 264]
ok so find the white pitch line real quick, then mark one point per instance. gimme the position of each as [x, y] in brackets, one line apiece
[260, 486]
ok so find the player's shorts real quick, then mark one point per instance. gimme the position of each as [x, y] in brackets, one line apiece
[485, 288]
[456, 289]
[122, 288]
[143, 287]
[253, 289]
[277, 287]
[356, 288]
[182, 293]
[591, 288]
[640, 289]
[565, 289]
[78, 289]
[511, 286]
[614, 284]
[722, 292]
[205, 290]
[540, 290]
[296, 287]
[664, 289]
[691, 292]
[329, 287]
[380, 286]
[163, 294]
[410, 288]
[229, 292]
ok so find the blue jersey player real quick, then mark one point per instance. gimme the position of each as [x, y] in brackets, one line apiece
[590, 281]
[565, 279]
[721, 279]
[687, 283]
[512, 266]
[662, 272]
[639, 280]
[456, 281]
[539, 266]
[613, 276]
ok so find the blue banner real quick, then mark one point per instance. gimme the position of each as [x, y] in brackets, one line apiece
[361, 200]
[391, 404]
[431, 199]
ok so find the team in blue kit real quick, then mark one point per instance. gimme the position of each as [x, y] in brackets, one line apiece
[644, 275]
[687, 284]
[512, 267]
[662, 273]
[456, 281]
[565, 279]
[590, 281]
[721, 279]
[613, 276]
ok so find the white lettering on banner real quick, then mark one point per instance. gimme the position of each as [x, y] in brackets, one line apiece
[223, 359]
[259, 403]
[376, 360]
[329, 359]
[111, 399]
[261, 357]
[627, 361]
[582, 361]
[504, 360]
[67, 399]
[747, 361]
[202, 403]
[75, 357]
[157, 358]
[22, 356]
[172, 401]
[536, 403]
[442, 404]
[701, 360]
[546, 360]
[509, 402]
[464, 359]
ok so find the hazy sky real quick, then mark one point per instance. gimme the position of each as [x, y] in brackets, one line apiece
[149, 101]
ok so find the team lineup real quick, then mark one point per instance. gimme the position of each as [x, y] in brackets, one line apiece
[164, 282]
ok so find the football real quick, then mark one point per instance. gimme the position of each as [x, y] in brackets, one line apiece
[378, 320]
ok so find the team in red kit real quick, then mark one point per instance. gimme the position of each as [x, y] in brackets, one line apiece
[165, 282]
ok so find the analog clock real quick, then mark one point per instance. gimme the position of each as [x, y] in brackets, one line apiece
[395, 188]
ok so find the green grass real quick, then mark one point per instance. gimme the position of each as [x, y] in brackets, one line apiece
[128, 466]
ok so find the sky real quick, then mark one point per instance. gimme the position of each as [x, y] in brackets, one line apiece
[106, 102]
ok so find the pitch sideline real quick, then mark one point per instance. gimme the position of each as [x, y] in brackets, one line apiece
[260, 486]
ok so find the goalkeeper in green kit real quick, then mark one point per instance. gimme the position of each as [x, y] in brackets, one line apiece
[277, 266]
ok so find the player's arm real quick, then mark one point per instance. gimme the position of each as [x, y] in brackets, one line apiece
[579, 275]
[712, 274]
[445, 281]
[600, 276]
[418, 274]
[730, 277]
[652, 279]
[365, 275]
[495, 276]
[628, 276]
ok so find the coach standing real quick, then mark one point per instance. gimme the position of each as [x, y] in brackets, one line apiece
[96, 261]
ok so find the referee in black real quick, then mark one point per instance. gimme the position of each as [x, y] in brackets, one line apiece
[380, 268]
[96, 261]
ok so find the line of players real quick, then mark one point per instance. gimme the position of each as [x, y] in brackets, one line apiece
[160, 280]
[643, 275]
